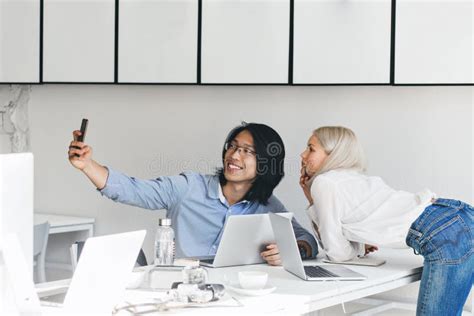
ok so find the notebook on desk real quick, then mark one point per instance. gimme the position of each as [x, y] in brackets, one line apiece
[359, 261]
[101, 274]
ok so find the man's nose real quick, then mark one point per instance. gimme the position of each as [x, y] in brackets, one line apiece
[236, 152]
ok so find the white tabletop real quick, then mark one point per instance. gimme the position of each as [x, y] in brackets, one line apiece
[62, 220]
[296, 296]
[65, 223]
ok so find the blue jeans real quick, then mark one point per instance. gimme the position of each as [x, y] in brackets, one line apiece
[443, 235]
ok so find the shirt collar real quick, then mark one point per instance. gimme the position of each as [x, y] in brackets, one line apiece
[214, 191]
[213, 187]
[221, 196]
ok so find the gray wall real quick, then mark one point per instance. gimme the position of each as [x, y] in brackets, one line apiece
[415, 137]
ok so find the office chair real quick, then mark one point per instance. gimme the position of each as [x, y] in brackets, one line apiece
[76, 249]
[40, 242]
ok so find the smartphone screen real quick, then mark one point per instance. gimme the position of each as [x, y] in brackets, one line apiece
[83, 130]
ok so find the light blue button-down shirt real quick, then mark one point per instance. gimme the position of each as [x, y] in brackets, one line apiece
[195, 204]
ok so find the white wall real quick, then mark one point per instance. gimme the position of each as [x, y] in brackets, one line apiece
[415, 137]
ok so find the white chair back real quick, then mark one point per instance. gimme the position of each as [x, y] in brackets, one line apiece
[40, 242]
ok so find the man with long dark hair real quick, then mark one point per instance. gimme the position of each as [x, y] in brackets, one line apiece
[253, 165]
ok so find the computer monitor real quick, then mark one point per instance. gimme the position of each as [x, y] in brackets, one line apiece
[16, 226]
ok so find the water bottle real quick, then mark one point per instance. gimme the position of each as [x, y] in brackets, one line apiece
[164, 243]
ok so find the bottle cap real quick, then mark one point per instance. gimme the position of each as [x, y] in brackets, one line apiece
[164, 222]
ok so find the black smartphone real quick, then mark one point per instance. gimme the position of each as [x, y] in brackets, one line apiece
[83, 130]
[83, 134]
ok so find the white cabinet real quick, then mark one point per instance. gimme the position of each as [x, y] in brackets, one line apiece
[158, 41]
[434, 42]
[19, 40]
[245, 41]
[342, 41]
[79, 39]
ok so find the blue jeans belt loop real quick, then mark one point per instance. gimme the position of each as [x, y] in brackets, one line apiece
[417, 239]
[416, 233]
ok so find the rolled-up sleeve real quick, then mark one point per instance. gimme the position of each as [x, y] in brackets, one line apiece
[153, 194]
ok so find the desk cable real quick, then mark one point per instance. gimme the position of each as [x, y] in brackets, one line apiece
[339, 293]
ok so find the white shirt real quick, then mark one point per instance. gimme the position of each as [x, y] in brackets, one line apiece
[352, 209]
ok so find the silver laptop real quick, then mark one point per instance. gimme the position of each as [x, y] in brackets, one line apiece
[290, 256]
[243, 239]
[102, 273]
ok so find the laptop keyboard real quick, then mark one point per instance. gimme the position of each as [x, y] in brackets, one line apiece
[318, 272]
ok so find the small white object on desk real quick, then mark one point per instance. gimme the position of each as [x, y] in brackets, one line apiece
[163, 277]
[252, 283]
[253, 280]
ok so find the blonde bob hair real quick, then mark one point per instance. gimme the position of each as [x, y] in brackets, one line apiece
[343, 149]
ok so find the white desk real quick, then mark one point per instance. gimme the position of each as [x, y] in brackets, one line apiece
[294, 296]
[65, 224]
[65, 230]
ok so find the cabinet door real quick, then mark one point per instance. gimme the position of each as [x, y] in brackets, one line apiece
[434, 42]
[79, 39]
[245, 41]
[19, 40]
[158, 41]
[342, 41]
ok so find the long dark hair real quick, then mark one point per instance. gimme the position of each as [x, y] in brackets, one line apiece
[270, 154]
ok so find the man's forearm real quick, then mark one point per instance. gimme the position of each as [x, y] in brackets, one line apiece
[97, 174]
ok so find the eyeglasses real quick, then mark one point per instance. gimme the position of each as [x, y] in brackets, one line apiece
[245, 150]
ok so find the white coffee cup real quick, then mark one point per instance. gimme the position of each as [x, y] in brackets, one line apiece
[253, 280]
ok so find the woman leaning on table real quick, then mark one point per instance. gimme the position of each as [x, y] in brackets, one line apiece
[352, 211]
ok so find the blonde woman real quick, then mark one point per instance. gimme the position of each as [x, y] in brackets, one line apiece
[353, 214]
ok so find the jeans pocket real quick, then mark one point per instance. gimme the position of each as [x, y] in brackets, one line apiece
[449, 243]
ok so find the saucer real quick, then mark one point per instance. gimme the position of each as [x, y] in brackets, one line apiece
[251, 292]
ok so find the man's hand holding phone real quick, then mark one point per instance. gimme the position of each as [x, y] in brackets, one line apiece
[80, 154]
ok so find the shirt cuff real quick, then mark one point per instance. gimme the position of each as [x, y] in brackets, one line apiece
[361, 251]
[111, 184]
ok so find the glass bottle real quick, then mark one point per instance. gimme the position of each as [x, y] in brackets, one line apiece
[164, 243]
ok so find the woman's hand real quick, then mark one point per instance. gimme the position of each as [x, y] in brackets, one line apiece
[370, 248]
[272, 255]
[304, 178]
[80, 154]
